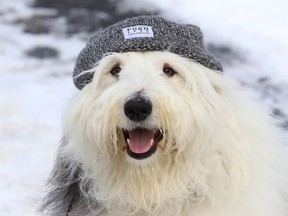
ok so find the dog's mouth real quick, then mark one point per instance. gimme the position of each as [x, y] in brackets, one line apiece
[142, 142]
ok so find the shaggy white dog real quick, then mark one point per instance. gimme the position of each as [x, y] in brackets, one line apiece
[158, 134]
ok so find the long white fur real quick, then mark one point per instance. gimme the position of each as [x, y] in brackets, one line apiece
[220, 156]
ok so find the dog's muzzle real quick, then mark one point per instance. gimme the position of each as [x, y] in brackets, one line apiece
[141, 142]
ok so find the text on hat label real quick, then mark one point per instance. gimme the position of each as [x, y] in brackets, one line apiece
[137, 31]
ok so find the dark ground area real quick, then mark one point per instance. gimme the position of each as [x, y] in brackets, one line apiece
[79, 15]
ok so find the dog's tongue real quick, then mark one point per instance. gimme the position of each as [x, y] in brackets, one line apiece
[140, 140]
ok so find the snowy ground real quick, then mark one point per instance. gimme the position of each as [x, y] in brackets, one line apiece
[249, 36]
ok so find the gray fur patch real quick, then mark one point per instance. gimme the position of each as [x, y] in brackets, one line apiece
[66, 196]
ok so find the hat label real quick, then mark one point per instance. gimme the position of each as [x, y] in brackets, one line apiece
[137, 31]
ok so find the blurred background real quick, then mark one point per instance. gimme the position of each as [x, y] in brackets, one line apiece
[39, 43]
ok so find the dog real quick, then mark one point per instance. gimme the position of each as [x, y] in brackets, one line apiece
[155, 133]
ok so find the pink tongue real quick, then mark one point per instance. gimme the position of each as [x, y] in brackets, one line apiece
[140, 140]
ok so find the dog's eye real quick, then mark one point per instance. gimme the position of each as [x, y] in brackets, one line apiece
[115, 70]
[168, 71]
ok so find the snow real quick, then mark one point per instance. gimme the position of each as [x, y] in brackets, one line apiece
[33, 92]
[32, 97]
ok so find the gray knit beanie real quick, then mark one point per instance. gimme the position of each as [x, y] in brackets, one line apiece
[143, 33]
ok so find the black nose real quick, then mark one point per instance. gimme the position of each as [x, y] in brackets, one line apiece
[138, 108]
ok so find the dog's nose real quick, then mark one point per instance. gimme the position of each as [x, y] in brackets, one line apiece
[138, 109]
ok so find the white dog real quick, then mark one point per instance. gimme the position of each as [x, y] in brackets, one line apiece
[157, 130]
[157, 134]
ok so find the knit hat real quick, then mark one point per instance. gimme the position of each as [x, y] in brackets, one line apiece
[143, 33]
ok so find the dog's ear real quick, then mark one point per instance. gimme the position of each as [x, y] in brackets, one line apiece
[217, 80]
[217, 89]
[65, 193]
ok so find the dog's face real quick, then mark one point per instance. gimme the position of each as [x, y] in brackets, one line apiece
[144, 118]
[141, 106]
[136, 85]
